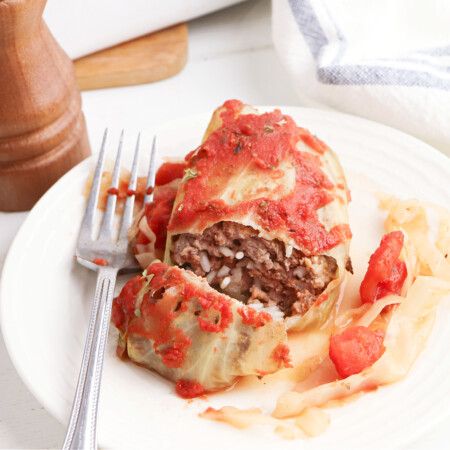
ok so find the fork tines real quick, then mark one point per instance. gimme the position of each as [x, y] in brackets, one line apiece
[87, 226]
[105, 231]
[129, 203]
[151, 175]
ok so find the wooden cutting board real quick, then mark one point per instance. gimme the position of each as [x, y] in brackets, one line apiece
[149, 58]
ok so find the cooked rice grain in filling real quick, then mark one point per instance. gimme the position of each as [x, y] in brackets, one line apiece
[234, 258]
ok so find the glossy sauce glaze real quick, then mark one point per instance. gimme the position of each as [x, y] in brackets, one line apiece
[260, 143]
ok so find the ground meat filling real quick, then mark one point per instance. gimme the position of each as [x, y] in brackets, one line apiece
[235, 260]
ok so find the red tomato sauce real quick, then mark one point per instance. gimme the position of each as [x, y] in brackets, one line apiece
[158, 310]
[174, 356]
[169, 172]
[211, 301]
[322, 297]
[260, 142]
[113, 191]
[158, 215]
[100, 262]
[158, 212]
[254, 318]
[122, 192]
[189, 389]
[281, 355]
[123, 305]
[153, 319]
[313, 142]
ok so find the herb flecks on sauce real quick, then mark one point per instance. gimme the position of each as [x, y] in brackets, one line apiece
[248, 144]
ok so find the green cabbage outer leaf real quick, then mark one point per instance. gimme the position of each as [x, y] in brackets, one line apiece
[180, 327]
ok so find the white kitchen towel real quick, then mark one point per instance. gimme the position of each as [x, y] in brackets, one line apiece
[385, 60]
[82, 27]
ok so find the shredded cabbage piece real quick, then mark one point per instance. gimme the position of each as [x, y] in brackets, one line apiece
[146, 253]
[244, 418]
[313, 421]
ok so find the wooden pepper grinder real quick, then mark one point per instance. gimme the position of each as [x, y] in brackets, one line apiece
[42, 129]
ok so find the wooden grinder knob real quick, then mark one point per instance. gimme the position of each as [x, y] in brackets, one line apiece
[42, 129]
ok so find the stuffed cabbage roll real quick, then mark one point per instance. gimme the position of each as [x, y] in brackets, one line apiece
[172, 321]
[261, 213]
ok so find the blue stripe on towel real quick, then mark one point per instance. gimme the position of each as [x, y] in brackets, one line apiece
[380, 76]
[309, 26]
[362, 74]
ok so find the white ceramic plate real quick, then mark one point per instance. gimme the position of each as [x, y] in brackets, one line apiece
[46, 297]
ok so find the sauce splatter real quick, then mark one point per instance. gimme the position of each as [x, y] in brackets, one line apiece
[121, 191]
[100, 262]
[113, 191]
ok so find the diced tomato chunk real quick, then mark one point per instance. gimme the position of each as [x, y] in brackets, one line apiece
[158, 215]
[393, 285]
[169, 172]
[386, 273]
[355, 349]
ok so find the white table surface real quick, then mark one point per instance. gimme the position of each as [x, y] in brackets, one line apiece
[230, 56]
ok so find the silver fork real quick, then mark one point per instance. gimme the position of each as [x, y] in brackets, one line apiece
[82, 428]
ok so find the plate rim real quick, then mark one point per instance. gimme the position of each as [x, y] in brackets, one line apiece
[432, 154]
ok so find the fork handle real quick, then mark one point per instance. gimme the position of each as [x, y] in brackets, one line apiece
[82, 428]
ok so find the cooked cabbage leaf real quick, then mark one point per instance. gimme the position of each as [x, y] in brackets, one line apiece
[171, 321]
